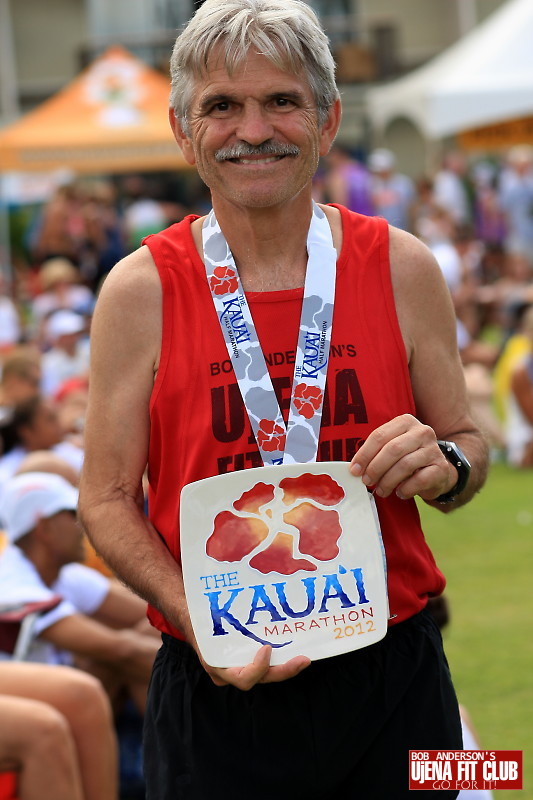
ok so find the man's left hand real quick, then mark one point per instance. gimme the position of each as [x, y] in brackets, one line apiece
[403, 456]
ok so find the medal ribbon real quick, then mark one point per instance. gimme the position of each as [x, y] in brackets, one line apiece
[296, 442]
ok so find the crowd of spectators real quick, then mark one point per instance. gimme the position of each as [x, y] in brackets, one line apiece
[475, 216]
[92, 637]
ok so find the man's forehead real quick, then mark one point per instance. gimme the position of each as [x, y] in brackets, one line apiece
[221, 70]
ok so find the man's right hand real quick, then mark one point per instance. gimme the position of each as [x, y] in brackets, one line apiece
[259, 671]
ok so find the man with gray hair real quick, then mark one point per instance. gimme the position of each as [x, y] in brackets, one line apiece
[203, 366]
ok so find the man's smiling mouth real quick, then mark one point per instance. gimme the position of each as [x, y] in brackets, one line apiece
[251, 160]
[266, 153]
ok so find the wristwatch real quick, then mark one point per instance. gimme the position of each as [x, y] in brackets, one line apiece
[455, 456]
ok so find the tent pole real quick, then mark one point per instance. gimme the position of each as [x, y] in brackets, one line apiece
[9, 106]
[467, 16]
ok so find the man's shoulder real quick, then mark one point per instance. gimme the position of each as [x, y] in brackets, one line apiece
[415, 273]
[139, 271]
[408, 252]
[139, 264]
[133, 279]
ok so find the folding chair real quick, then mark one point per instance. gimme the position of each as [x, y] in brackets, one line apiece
[8, 786]
[17, 624]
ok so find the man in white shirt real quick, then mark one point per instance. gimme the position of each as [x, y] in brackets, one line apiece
[68, 356]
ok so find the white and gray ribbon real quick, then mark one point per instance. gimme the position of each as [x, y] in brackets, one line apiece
[298, 441]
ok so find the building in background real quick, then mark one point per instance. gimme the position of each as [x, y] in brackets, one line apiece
[44, 45]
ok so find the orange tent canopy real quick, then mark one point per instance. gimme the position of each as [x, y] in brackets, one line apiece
[112, 118]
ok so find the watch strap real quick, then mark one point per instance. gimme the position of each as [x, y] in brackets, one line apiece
[456, 457]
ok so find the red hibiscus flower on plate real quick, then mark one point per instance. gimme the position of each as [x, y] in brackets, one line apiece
[307, 400]
[314, 531]
[270, 437]
[223, 280]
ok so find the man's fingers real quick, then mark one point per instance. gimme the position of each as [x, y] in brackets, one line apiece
[396, 452]
[259, 671]
[418, 468]
[243, 677]
[379, 437]
[290, 669]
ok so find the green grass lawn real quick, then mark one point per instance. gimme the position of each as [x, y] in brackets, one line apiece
[486, 552]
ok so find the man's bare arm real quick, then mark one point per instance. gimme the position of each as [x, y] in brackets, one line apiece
[402, 456]
[125, 340]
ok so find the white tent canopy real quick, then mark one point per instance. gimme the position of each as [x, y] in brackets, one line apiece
[485, 78]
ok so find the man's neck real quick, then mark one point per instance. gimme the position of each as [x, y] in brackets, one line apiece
[269, 245]
[47, 569]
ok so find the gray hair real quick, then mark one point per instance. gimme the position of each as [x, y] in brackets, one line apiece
[287, 32]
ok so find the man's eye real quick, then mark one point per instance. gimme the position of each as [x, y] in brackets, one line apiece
[222, 106]
[283, 102]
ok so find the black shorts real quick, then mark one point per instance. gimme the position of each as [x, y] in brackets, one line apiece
[342, 728]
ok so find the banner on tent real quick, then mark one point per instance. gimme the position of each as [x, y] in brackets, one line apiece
[499, 136]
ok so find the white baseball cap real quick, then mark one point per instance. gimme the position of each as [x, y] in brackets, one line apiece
[27, 498]
[64, 322]
[381, 160]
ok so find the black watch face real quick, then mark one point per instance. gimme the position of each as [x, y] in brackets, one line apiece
[455, 456]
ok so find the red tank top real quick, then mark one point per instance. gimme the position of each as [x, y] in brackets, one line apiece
[199, 426]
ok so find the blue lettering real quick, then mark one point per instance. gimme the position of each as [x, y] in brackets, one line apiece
[218, 614]
[332, 582]
[311, 367]
[227, 306]
[261, 601]
[358, 575]
[260, 594]
[232, 309]
[309, 584]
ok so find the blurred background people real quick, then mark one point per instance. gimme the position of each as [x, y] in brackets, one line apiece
[10, 328]
[519, 417]
[20, 379]
[393, 193]
[34, 425]
[516, 199]
[60, 289]
[95, 624]
[143, 214]
[71, 402]
[68, 354]
[347, 182]
[452, 190]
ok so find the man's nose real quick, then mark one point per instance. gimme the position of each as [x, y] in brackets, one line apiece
[254, 125]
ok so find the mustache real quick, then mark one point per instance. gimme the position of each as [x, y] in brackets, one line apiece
[270, 148]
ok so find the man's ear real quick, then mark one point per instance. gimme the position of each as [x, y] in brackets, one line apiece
[330, 127]
[182, 139]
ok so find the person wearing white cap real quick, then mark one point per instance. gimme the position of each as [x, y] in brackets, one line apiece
[94, 623]
[68, 356]
[393, 193]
